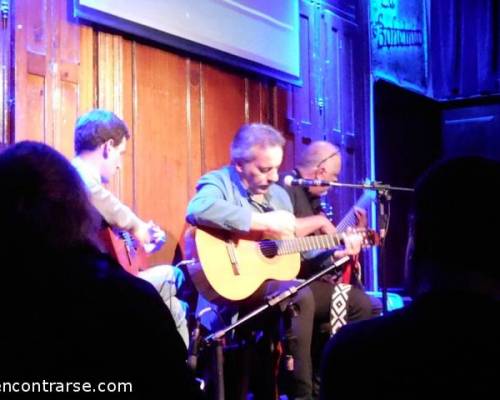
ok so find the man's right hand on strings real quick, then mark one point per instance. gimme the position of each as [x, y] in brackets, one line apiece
[275, 224]
[352, 244]
[151, 236]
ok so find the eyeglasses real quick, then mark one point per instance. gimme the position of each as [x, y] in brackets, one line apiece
[327, 158]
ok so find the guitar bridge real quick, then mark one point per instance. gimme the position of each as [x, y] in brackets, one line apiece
[232, 257]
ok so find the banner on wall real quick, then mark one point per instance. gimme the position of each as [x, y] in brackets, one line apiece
[399, 42]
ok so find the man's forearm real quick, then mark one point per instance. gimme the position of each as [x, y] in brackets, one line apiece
[307, 225]
[113, 210]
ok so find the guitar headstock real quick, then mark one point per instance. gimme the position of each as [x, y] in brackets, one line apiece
[369, 237]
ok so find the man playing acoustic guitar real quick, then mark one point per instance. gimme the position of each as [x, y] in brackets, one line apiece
[322, 160]
[100, 142]
[243, 198]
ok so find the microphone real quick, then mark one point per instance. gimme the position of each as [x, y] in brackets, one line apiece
[291, 181]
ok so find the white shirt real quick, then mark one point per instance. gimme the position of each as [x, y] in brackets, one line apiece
[114, 212]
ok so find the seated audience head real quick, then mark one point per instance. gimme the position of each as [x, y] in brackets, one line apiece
[256, 153]
[453, 230]
[320, 160]
[43, 204]
[102, 137]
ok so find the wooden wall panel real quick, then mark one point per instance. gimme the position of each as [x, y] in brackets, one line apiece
[280, 94]
[128, 92]
[194, 124]
[110, 72]
[109, 93]
[48, 93]
[63, 140]
[161, 145]
[344, 98]
[86, 74]
[30, 71]
[258, 101]
[303, 101]
[32, 128]
[223, 112]
[333, 48]
[65, 38]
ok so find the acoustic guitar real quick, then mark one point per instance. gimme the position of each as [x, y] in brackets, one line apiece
[125, 249]
[231, 267]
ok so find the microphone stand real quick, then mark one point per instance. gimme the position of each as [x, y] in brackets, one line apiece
[384, 206]
[383, 217]
[216, 338]
[370, 186]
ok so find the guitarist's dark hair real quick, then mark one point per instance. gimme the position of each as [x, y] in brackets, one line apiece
[97, 127]
[43, 205]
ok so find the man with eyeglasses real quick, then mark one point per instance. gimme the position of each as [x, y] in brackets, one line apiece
[336, 302]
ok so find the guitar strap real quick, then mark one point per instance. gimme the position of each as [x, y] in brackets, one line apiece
[351, 274]
[338, 307]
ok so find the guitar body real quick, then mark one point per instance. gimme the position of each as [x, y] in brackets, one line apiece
[233, 267]
[125, 249]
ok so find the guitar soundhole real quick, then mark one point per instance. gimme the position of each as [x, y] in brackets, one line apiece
[269, 248]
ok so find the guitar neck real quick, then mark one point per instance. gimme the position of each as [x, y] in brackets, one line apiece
[349, 219]
[297, 245]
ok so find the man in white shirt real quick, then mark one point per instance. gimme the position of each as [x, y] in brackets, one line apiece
[100, 142]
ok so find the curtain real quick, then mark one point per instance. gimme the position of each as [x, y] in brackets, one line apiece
[464, 48]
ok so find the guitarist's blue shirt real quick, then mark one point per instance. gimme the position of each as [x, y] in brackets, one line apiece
[221, 201]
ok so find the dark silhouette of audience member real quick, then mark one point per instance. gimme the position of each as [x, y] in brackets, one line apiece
[69, 312]
[445, 343]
